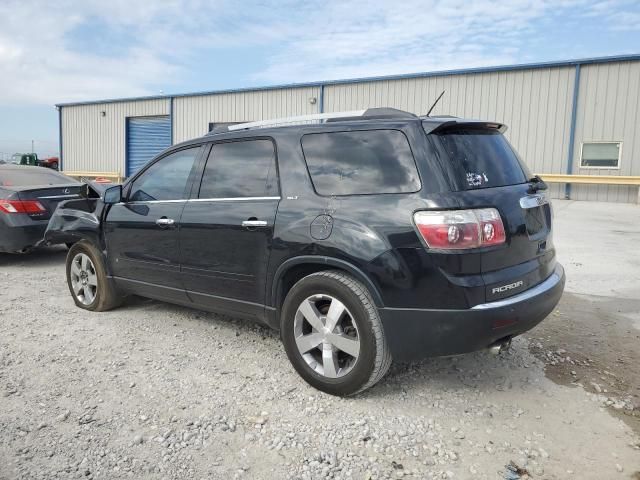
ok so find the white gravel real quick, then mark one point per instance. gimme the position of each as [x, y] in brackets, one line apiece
[152, 390]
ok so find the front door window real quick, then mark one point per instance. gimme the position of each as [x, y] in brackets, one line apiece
[166, 179]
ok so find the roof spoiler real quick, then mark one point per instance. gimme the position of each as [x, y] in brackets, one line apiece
[433, 127]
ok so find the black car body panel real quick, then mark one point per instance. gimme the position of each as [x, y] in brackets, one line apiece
[76, 220]
[434, 301]
[79, 219]
[440, 332]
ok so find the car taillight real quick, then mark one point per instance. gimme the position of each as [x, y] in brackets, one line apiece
[21, 206]
[460, 229]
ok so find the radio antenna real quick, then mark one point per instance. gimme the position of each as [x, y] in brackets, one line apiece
[435, 103]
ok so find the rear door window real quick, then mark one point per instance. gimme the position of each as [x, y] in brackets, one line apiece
[240, 169]
[360, 162]
[479, 158]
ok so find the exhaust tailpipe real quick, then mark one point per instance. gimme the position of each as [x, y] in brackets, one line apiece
[500, 346]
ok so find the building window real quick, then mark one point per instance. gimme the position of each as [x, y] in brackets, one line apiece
[600, 155]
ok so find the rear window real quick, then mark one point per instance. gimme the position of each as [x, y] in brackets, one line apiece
[240, 170]
[360, 162]
[32, 176]
[480, 158]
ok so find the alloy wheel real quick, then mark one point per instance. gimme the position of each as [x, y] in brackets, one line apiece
[326, 336]
[84, 280]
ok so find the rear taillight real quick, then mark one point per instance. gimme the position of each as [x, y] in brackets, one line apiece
[21, 206]
[460, 229]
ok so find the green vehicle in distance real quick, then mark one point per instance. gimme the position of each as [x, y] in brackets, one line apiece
[33, 160]
[25, 159]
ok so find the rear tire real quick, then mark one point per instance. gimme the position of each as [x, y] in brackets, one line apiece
[333, 335]
[87, 279]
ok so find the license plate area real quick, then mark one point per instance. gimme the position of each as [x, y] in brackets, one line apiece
[536, 222]
[537, 216]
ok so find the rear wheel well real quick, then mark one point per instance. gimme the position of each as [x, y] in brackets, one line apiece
[297, 272]
[293, 276]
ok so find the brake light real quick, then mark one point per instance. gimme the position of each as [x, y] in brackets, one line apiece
[21, 206]
[460, 229]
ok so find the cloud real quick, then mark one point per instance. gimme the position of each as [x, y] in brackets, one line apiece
[78, 50]
[72, 50]
[39, 66]
[353, 39]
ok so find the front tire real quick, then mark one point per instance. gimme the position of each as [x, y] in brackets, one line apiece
[333, 335]
[87, 279]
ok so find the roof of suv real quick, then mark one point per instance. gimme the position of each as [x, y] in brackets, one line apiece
[368, 115]
[354, 118]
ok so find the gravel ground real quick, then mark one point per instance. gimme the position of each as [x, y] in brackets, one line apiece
[157, 391]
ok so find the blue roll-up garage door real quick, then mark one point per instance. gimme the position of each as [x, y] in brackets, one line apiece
[146, 137]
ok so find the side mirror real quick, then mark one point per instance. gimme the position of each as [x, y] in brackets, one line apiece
[112, 195]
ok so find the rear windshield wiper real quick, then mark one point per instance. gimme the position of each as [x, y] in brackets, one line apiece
[536, 184]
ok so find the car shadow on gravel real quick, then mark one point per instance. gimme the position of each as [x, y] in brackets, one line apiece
[38, 258]
[136, 303]
[472, 371]
[477, 370]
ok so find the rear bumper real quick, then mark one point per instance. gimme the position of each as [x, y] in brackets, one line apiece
[14, 238]
[416, 333]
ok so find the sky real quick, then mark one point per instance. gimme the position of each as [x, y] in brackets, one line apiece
[54, 51]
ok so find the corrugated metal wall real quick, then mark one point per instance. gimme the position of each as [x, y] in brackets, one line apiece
[192, 115]
[535, 104]
[609, 110]
[91, 142]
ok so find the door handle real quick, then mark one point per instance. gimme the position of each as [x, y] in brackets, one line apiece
[165, 222]
[254, 223]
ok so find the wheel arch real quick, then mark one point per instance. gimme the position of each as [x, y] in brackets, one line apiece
[294, 269]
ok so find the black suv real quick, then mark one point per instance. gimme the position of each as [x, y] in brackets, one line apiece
[375, 236]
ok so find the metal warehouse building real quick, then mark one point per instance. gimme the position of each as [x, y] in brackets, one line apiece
[579, 117]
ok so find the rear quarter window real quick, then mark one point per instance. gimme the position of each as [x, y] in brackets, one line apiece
[479, 158]
[360, 162]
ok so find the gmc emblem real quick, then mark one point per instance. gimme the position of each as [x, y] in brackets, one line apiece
[511, 286]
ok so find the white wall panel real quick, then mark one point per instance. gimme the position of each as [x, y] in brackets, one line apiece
[95, 143]
[192, 115]
[535, 104]
[609, 110]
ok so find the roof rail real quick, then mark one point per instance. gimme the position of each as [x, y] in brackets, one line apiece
[319, 117]
[315, 118]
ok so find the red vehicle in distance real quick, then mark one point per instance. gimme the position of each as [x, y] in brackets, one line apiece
[51, 162]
